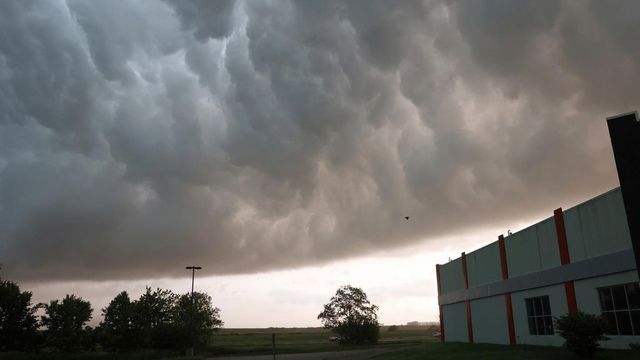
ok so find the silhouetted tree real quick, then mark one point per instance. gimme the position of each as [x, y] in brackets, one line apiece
[350, 314]
[198, 320]
[153, 319]
[116, 330]
[158, 319]
[64, 321]
[18, 323]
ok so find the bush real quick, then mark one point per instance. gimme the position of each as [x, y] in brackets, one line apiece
[582, 332]
[393, 328]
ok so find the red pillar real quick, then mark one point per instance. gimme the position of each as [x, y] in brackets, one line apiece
[570, 290]
[563, 247]
[440, 306]
[507, 297]
[469, 322]
[467, 303]
[465, 277]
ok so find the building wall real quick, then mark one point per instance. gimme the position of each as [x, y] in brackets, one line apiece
[589, 302]
[594, 228]
[533, 249]
[489, 319]
[597, 227]
[558, 303]
[455, 322]
[451, 278]
[483, 265]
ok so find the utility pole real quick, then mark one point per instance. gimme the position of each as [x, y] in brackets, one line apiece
[191, 327]
[273, 345]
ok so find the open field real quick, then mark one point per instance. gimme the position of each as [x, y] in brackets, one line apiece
[257, 341]
[293, 340]
[459, 351]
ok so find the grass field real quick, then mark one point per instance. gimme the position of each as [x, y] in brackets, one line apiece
[458, 351]
[252, 341]
[291, 340]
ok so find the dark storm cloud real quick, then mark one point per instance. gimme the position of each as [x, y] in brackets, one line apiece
[136, 137]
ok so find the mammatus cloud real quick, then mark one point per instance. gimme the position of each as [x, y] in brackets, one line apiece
[136, 137]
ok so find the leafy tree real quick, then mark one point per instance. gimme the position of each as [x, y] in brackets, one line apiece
[116, 330]
[582, 332]
[152, 319]
[350, 314]
[198, 319]
[64, 321]
[18, 323]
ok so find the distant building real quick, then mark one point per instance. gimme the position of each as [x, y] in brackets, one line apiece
[584, 258]
[421, 323]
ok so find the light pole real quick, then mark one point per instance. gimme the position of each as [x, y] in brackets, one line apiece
[191, 332]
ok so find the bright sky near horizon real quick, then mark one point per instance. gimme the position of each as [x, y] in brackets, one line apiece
[401, 282]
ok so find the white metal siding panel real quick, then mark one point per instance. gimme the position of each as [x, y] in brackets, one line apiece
[455, 323]
[577, 249]
[597, 227]
[548, 244]
[451, 278]
[483, 265]
[523, 256]
[533, 249]
[489, 319]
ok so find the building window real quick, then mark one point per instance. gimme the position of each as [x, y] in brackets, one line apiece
[539, 316]
[620, 307]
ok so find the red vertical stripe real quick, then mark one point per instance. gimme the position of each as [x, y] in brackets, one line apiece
[563, 246]
[438, 279]
[440, 307]
[570, 290]
[441, 326]
[463, 257]
[510, 324]
[507, 296]
[469, 323]
[467, 303]
[503, 258]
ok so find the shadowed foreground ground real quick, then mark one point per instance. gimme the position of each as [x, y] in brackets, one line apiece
[331, 355]
[425, 351]
[459, 351]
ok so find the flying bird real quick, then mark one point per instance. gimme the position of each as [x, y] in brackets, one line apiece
[406, 218]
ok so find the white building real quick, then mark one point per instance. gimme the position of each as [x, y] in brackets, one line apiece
[582, 258]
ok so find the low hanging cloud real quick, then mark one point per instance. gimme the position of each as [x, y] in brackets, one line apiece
[137, 137]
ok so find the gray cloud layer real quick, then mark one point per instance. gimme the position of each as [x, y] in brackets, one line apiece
[137, 137]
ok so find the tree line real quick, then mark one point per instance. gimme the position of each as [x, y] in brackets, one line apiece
[158, 319]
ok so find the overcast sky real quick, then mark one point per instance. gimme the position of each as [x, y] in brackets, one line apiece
[270, 141]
